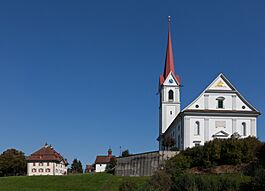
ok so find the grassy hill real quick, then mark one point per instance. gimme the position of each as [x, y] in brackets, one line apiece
[84, 182]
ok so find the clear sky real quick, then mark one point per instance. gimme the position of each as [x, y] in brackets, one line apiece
[83, 75]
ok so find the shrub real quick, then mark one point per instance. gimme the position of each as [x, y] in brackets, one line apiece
[261, 154]
[191, 182]
[250, 146]
[128, 185]
[258, 181]
[231, 152]
[184, 182]
[217, 152]
[224, 151]
[160, 181]
[177, 164]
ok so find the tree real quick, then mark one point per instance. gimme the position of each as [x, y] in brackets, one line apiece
[110, 168]
[13, 163]
[125, 153]
[76, 167]
[168, 143]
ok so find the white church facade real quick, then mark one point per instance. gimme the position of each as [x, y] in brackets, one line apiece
[220, 111]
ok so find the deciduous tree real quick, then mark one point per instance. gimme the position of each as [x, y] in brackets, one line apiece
[12, 163]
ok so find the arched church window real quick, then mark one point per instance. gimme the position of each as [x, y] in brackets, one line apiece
[170, 95]
[220, 102]
[244, 129]
[197, 128]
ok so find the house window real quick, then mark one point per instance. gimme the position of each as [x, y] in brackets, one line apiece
[197, 128]
[48, 170]
[34, 170]
[41, 164]
[170, 95]
[40, 170]
[48, 164]
[220, 102]
[244, 129]
[34, 164]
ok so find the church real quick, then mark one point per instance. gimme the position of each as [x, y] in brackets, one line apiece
[220, 111]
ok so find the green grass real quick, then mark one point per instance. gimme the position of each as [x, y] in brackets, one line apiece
[84, 182]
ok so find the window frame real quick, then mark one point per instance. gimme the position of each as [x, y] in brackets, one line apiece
[220, 102]
[244, 129]
[170, 95]
[197, 128]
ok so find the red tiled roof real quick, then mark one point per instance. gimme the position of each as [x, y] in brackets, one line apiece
[46, 153]
[89, 167]
[103, 159]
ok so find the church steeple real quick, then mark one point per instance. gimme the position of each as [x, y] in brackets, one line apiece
[169, 62]
[169, 89]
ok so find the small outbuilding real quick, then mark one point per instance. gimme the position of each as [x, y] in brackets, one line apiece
[101, 162]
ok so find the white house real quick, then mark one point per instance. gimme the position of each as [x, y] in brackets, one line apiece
[218, 112]
[101, 162]
[46, 161]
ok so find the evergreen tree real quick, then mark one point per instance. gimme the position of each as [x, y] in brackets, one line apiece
[111, 166]
[76, 167]
[125, 153]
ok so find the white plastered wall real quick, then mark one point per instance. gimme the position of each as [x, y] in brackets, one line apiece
[101, 167]
[209, 127]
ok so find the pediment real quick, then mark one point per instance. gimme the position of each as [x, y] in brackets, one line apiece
[220, 87]
[171, 80]
[220, 83]
[220, 134]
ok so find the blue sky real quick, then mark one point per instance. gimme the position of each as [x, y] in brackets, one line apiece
[83, 75]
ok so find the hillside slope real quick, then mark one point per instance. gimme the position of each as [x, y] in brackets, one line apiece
[84, 182]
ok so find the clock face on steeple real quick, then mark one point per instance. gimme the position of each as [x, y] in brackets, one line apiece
[171, 81]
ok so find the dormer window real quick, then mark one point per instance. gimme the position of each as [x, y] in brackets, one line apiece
[220, 102]
[170, 95]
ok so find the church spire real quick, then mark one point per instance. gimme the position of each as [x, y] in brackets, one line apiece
[169, 63]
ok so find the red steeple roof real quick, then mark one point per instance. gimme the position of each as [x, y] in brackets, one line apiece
[169, 63]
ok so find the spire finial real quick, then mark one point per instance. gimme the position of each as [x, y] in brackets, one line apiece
[168, 19]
